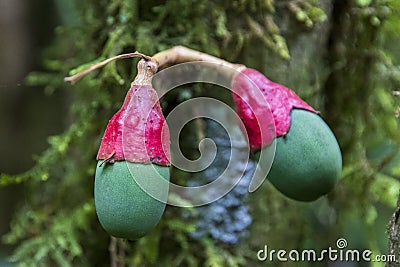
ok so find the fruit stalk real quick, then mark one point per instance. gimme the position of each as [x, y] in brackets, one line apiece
[181, 54]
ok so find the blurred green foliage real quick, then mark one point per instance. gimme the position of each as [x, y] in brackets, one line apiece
[341, 56]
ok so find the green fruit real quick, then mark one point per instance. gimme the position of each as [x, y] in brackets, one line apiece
[124, 209]
[308, 160]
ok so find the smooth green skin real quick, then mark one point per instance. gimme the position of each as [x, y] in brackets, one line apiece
[308, 161]
[123, 208]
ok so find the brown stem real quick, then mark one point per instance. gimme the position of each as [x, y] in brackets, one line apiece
[149, 65]
[112, 248]
[121, 252]
[117, 252]
[76, 77]
[181, 54]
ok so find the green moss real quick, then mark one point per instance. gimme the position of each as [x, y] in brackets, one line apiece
[123, 208]
[307, 160]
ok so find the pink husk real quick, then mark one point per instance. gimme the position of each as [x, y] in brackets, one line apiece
[138, 131]
[264, 123]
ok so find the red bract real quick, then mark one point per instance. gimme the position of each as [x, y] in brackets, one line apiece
[264, 123]
[138, 131]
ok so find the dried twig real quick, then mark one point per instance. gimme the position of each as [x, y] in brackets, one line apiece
[76, 77]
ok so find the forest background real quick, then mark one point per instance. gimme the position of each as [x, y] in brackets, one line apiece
[342, 57]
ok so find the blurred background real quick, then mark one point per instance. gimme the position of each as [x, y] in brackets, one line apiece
[342, 57]
[28, 114]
